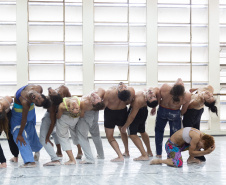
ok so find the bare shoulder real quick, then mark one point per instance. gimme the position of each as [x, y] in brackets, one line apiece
[187, 96]
[9, 98]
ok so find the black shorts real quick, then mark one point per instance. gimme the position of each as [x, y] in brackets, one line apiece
[115, 117]
[138, 124]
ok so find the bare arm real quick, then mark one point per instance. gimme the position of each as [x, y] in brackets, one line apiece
[193, 89]
[185, 106]
[60, 111]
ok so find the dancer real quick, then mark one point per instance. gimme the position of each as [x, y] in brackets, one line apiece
[115, 113]
[5, 116]
[200, 97]
[92, 103]
[23, 122]
[138, 114]
[173, 103]
[186, 139]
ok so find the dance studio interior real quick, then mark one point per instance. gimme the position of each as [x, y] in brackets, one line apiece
[91, 44]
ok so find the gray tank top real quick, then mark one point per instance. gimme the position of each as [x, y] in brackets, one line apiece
[185, 134]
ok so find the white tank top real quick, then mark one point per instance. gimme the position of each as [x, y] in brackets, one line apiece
[185, 134]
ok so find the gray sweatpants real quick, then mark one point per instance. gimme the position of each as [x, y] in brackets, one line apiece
[63, 125]
[89, 124]
[45, 124]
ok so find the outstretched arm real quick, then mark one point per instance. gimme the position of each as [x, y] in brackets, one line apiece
[60, 111]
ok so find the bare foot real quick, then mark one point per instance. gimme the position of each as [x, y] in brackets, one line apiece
[52, 163]
[59, 154]
[141, 158]
[85, 162]
[126, 154]
[36, 156]
[14, 159]
[28, 165]
[194, 160]
[150, 154]
[70, 162]
[155, 161]
[118, 159]
[79, 156]
[159, 156]
[3, 165]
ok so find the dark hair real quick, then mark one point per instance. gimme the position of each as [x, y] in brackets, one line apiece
[46, 103]
[211, 106]
[153, 104]
[177, 91]
[4, 123]
[124, 95]
[209, 141]
[56, 99]
[99, 106]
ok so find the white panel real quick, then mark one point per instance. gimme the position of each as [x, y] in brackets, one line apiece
[48, 72]
[171, 73]
[137, 54]
[206, 114]
[222, 2]
[137, 34]
[139, 87]
[174, 1]
[111, 72]
[137, 73]
[47, 0]
[8, 53]
[112, 33]
[222, 111]
[73, 33]
[174, 15]
[174, 34]
[110, 1]
[40, 112]
[8, 74]
[200, 73]
[174, 54]
[222, 34]
[46, 33]
[73, 53]
[73, 1]
[199, 1]
[200, 34]
[111, 53]
[73, 14]
[137, 14]
[199, 15]
[137, 1]
[46, 52]
[222, 60]
[222, 51]
[73, 73]
[7, 32]
[8, 13]
[199, 54]
[45, 13]
[108, 14]
[8, 90]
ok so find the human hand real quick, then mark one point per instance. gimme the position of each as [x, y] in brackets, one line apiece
[21, 139]
[153, 111]
[47, 140]
[210, 149]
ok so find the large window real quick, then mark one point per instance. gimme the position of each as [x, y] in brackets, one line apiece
[8, 58]
[183, 43]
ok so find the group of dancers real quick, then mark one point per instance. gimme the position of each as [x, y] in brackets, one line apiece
[123, 107]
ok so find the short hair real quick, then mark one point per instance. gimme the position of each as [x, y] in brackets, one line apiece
[99, 106]
[211, 106]
[56, 99]
[46, 103]
[209, 141]
[153, 104]
[177, 91]
[124, 95]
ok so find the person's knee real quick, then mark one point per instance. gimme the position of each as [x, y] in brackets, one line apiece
[133, 136]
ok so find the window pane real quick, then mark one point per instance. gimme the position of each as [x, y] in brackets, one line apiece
[7, 32]
[200, 73]
[111, 72]
[8, 74]
[137, 54]
[73, 13]
[73, 53]
[200, 54]
[73, 33]
[137, 34]
[137, 14]
[223, 34]
[199, 15]
[111, 33]
[8, 13]
[48, 72]
[46, 33]
[8, 53]
[8, 90]
[75, 89]
[111, 53]
[46, 52]
[174, 1]
[200, 34]
[137, 73]
[73, 73]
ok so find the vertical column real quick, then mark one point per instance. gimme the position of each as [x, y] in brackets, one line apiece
[152, 53]
[214, 63]
[88, 51]
[22, 42]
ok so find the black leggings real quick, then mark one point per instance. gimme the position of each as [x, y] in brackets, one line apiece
[192, 118]
[12, 145]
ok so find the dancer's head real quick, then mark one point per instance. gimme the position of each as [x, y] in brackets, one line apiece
[177, 91]
[123, 92]
[96, 101]
[55, 97]
[206, 142]
[151, 98]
